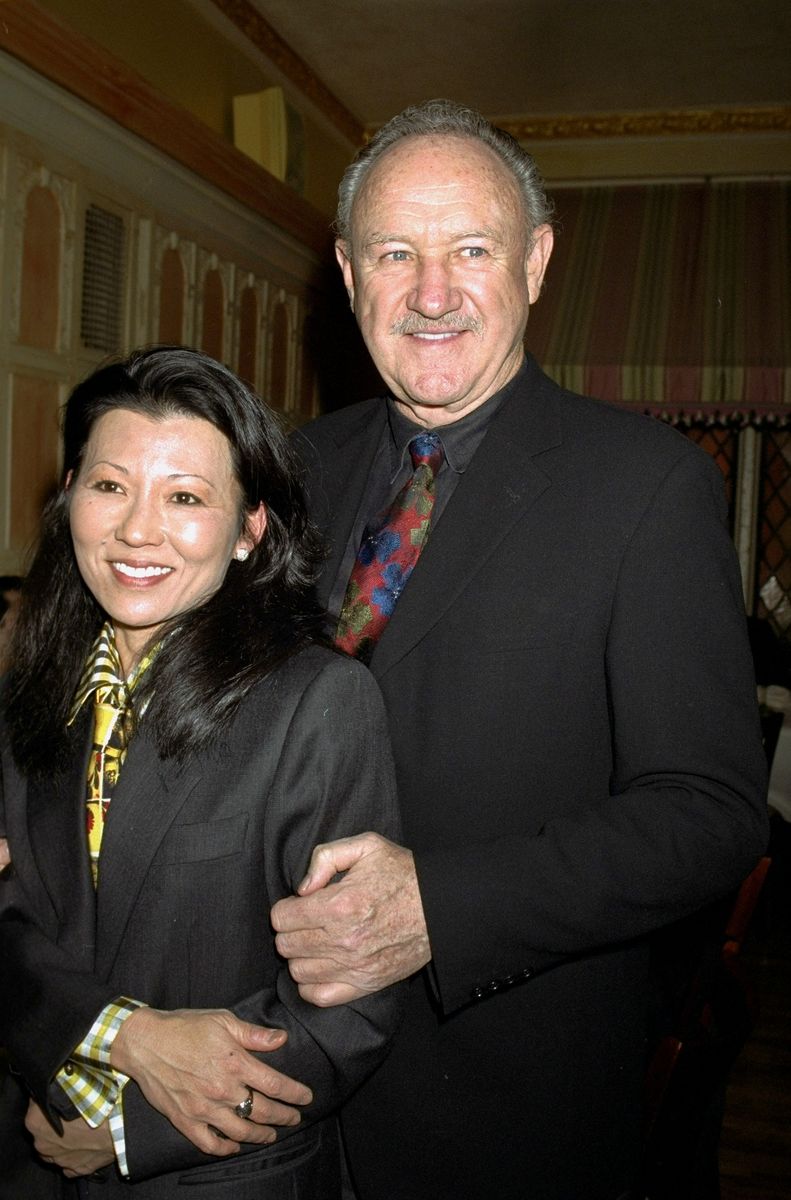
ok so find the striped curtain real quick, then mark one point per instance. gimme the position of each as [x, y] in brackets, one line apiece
[674, 298]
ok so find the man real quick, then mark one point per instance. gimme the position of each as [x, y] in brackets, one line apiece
[569, 688]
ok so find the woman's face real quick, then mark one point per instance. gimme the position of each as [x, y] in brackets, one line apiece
[155, 515]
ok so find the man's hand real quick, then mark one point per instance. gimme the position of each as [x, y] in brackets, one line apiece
[194, 1066]
[80, 1150]
[348, 939]
[5, 854]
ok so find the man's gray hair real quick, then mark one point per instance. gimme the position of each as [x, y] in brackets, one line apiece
[444, 117]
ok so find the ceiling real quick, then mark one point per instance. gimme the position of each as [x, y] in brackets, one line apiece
[519, 58]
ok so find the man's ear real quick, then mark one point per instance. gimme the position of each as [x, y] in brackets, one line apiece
[343, 255]
[537, 260]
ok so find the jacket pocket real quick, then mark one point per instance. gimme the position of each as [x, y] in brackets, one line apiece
[259, 1165]
[203, 840]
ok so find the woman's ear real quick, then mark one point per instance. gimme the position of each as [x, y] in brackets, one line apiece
[253, 531]
[67, 482]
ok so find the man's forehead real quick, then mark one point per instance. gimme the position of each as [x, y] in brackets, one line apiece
[441, 167]
[429, 154]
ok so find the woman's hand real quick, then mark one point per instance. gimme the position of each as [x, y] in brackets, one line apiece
[5, 853]
[79, 1150]
[195, 1067]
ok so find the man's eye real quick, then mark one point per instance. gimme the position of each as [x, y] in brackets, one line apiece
[397, 256]
[474, 252]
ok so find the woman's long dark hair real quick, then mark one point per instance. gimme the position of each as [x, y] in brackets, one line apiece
[263, 612]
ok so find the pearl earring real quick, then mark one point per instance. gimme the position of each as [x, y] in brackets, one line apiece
[241, 554]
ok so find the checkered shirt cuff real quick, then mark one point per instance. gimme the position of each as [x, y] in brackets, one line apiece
[116, 1123]
[89, 1081]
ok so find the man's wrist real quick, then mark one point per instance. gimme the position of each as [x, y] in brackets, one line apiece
[124, 1047]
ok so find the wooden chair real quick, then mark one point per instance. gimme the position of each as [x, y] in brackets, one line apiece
[688, 1069]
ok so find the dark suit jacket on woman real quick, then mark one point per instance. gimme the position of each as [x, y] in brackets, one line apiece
[192, 861]
[572, 708]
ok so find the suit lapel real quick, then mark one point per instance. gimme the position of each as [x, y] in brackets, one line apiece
[146, 801]
[56, 829]
[498, 488]
[337, 493]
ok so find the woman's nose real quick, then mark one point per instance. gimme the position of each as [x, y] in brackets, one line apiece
[140, 523]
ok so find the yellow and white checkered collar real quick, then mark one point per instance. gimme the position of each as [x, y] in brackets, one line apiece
[103, 670]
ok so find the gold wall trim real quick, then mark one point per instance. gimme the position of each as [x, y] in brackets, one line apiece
[249, 21]
[649, 124]
[88, 71]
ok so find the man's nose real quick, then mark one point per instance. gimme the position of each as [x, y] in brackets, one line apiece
[434, 293]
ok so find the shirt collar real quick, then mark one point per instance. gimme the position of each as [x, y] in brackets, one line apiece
[460, 439]
[103, 669]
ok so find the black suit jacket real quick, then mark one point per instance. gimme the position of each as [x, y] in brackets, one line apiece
[192, 861]
[572, 708]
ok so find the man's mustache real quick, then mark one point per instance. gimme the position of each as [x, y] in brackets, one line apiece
[450, 323]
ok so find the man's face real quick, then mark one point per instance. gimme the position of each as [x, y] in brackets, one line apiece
[441, 273]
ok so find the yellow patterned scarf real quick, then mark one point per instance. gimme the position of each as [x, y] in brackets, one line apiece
[113, 726]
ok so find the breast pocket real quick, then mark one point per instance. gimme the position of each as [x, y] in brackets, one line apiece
[204, 840]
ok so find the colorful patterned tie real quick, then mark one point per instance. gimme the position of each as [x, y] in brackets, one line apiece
[388, 553]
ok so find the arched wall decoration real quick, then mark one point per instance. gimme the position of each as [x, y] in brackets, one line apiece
[172, 296]
[34, 451]
[41, 248]
[278, 355]
[248, 326]
[39, 302]
[212, 338]
[168, 240]
[278, 374]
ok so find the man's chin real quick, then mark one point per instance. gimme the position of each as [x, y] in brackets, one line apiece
[437, 408]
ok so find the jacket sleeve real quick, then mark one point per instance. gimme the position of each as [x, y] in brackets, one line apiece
[683, 819]
[334, 778]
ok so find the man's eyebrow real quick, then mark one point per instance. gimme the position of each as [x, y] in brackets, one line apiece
[381, 239]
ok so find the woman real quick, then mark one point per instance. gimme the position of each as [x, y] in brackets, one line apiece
[176, 741]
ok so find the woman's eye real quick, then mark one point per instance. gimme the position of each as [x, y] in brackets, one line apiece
[185, 498]
[106, 485]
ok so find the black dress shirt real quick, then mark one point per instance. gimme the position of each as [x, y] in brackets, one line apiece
[392, 466]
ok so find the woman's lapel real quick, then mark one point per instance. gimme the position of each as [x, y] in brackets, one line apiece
[148, 797]
[57, 838]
